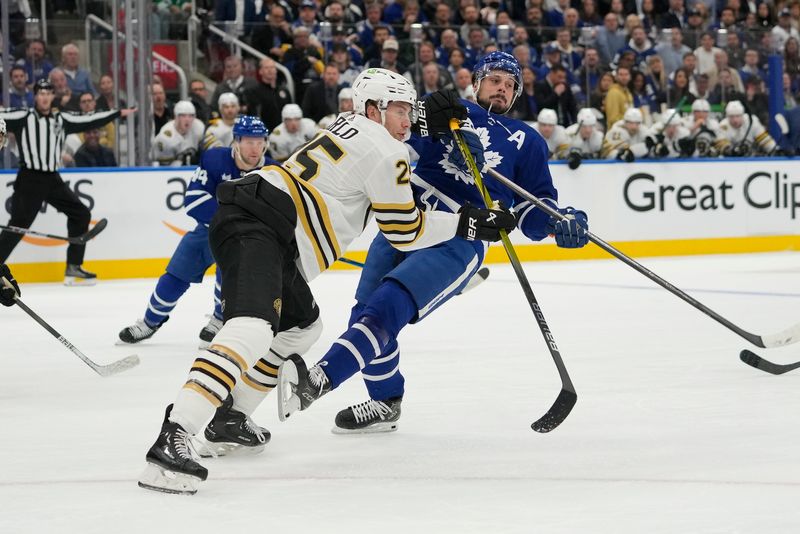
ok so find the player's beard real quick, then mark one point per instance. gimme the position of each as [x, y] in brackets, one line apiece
[492, 106]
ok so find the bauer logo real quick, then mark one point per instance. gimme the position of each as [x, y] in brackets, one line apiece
[717, 191]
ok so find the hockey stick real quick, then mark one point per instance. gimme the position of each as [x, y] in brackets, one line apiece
[784, 337]
[754, 360]
[78, 240]
[103, 370]
[354, 263]
[567, 397]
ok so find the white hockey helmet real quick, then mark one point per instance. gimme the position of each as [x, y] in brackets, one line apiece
[547, 116]
[291, 111]
[184, 107]
[734, 108]
[632, 115]
[586, 117]
[227, 98]
[701, 104]
[671, 116]
[346, 94]
[381, 86]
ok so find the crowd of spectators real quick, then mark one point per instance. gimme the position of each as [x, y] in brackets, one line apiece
[611, 56]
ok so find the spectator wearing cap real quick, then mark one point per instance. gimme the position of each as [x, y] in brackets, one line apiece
[675, 17]
[694, 28]
[553, 92]
[77, 78]
[92, 154]
[784, 29]
[233, 81]
[672, 51]
[389, 59]
[36, 65]
[307, 17]
[268, 98]
[238, 17]
[340, 57]
[705, 53]
[610, 38]
[619, 98]
[293, 132]
[65, 98]
[19, 96]
[321, 98]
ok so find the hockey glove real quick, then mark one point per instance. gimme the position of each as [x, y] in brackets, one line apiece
[434, 113]
[484, 224]
[574, 160]
[7, 294]
[625, 155]
[687, 146]
[662, 150]
[475, 146]
[569, 233]
[649, 142]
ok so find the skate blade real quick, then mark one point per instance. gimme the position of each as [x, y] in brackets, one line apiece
[377, 428]
[156, 478]
[73, 281]
[288, 402]
[212, 450]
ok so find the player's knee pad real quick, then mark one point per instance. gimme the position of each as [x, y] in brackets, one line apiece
[296, 340]
[244, 338]
[355, 313]
[388, 310]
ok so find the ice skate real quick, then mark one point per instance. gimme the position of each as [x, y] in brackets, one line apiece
[209, 331]
[75, 275]
[170, 465]
[299, 386]
[231, 433]
[368, 417]
[139, 331]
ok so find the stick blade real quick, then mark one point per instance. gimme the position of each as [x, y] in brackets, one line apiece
[754, 360]
[781, 339]
[96, 229]
[557, 413]
[117, 367]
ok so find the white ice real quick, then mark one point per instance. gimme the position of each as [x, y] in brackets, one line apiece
[671, 433]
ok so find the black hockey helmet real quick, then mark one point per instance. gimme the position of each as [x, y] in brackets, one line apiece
[42, 85]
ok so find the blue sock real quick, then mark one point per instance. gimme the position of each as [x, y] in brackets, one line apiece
[169, 290]
[382, 376]
[388, 310]
[218, 296]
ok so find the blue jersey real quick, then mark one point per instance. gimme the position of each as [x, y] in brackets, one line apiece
[511, 147]
[217, 165]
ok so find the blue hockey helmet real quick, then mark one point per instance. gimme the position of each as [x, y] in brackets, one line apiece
[249, 126]
[503, 61]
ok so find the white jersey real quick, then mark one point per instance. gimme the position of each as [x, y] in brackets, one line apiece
[283, 143]
[754, 139]
[337, 181]
[588, 148]
[705, 135]
[169, 144]
[326, 121]
[618, 139]
[558, 143]
[671, 143]
[218, 134]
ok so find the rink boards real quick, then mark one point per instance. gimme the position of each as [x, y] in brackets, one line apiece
[645, 209]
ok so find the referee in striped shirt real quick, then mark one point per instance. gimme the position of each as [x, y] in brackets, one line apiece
[40, 134]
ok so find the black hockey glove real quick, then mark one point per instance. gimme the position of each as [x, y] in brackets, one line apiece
[434, 113]
[662, 150]
[7, 294]
[569, 233]
[188, 156]
[574, 160]
[484, 224]
[626, 155]
[649, 142]
[687, 146]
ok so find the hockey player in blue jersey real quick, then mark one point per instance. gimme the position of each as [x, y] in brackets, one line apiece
[193, 256]
[398, 288]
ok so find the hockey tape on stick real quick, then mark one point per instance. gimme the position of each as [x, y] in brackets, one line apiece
[785, 337]
[567, 398]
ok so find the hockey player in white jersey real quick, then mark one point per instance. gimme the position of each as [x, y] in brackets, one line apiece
[672, 138]
[278, 228]
[585, 140]
[627, 139]
[293, 132]
[553, 133]
[703, 129]
[220, 131]
[179, 140]
[743, 134]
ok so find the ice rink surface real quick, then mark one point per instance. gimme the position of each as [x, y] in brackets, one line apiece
[671, 433]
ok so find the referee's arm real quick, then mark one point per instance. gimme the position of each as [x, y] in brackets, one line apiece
[74, 123]
[15, 119]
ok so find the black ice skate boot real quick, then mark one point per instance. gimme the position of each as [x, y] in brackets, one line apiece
[368, 417]
[170, 466]
[75, 275]
[209, 331]
[231, 432]
[139, 331]
[299, 386]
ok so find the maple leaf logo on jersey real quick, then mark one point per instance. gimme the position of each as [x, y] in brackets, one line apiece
[493, 158]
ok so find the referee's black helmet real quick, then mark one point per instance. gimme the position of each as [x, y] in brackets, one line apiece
[42, 85]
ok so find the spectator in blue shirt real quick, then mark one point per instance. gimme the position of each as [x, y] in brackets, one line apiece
[35, 65]
[19, 96]
[78, 79]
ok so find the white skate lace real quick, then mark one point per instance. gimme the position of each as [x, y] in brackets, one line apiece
[214, 324]
[318, 378]
[140, 329]
[370, 410]
[254, 429]
[183, 445]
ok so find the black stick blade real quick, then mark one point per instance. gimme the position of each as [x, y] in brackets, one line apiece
[557, 413]
[754, 360]
[92, 233]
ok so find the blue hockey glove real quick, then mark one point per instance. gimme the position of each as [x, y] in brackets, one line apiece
[569, 233]
[475, 146]
[7, 294]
